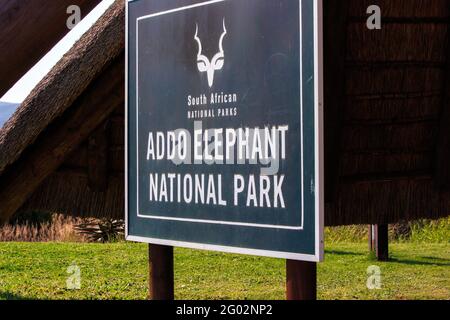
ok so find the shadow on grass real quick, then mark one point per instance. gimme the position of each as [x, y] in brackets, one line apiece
[437, 259]
[371, 256]
[343, 253]
[12, 296]
[438, 262]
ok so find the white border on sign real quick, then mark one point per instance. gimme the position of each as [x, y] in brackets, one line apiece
[207, 221]
[319, 141]
[319, 163]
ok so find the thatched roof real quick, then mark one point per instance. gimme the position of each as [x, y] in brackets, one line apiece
[28, 30]
[29, 151]
[63, 84]
[387, 119]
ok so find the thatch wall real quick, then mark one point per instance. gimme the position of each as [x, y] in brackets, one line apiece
[385, 122]
[69, 189]
[394, 96]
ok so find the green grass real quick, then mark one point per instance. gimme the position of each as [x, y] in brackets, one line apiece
[431, 231]
[119, 271]
[421, 231]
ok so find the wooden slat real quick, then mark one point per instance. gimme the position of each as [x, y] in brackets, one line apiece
[416, 136]
[393, 81]
[379, 108]
[335, 27]
[116, 132]
[116, 159]
[28, 30]
[424, 42]
[78, 158]
[98, 158]
[61, 138]
[384, 163]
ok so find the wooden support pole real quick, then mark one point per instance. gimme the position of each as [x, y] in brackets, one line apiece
[382, 242]
[98, 145]
[161, 280]
[301, 280]
[371, 238]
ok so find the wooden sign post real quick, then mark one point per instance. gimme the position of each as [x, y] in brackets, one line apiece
[161, 272]
[301, 276]
[301, 280]
[224, 138]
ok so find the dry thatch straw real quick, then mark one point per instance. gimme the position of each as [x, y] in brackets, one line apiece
[59, 229]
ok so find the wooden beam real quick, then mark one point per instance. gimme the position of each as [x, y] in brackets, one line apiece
[62, 137]
[28, 30]
[335, 35]
[161, 276]
[98, 158]
[301, 280]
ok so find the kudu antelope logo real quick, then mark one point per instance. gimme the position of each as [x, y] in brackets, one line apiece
[216, 63]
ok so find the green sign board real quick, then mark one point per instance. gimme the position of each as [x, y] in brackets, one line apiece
[224, 126]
